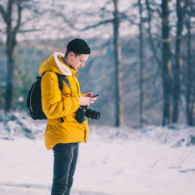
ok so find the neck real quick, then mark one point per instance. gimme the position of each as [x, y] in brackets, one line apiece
[65, 61]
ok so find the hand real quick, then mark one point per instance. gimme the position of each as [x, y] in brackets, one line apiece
[86, 101]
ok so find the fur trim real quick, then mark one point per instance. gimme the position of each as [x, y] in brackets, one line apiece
[65, 70]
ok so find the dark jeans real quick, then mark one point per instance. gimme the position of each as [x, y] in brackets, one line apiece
[65, 160]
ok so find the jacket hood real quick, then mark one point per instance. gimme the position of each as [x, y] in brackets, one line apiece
[55, 64]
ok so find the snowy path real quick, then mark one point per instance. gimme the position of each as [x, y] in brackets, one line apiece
[22, 189]
[110, 163]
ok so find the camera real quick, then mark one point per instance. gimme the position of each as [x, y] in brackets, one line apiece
[83, 112]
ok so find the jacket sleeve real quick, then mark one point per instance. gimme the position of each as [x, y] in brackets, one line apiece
[55, 105]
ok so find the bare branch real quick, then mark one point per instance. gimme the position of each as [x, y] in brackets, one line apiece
[124, 16]
[3, 13]
[66, 20]
[15, 29]
[103, 22]
[30, 30]
[150, 34]
[98, 24]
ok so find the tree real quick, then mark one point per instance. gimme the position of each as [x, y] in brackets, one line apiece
[114, 19]
[180, 11]
[11, 11]
[166, 63]
[117, 54]
[190, 75]
[11, 32]
[141, 56]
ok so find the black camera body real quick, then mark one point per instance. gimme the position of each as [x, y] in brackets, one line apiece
[83, 112]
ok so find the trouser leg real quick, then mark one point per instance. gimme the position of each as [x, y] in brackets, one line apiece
[64, 160]
[72, 168]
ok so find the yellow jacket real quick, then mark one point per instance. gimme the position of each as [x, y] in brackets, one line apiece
[57, 104]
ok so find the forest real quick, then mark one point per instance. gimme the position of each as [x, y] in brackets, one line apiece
[142, 61]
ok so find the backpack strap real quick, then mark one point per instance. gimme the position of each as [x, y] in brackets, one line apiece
[62, 78]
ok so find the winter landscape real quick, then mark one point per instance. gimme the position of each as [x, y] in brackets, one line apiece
[142, 66]
[119, 161]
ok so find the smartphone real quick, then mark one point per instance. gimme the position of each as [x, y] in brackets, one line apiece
[96, 95]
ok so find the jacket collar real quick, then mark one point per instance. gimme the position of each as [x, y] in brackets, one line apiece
[64, 68]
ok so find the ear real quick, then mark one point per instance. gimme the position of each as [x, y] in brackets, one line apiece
[72, 54]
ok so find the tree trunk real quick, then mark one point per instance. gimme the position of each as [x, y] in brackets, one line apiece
[141, 53]
[10, 45]
[166, 64]
[117, 54]
[11, 33]
[190, 77]
[9, 79]
[177, 87]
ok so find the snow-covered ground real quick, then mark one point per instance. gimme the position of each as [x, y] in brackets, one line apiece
[118, 161]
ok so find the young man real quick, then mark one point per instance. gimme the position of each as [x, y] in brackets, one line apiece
[63, 133]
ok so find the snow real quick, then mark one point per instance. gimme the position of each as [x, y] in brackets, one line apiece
[122, 161]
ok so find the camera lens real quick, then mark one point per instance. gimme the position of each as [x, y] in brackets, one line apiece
[97, 115]
[92, 114]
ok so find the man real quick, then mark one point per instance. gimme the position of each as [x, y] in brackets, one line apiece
[64, 133]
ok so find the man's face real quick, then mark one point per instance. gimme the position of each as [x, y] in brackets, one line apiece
[77, 61]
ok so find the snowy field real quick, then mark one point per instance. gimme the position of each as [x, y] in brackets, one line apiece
[118, 161]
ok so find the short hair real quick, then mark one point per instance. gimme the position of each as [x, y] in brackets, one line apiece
[78, 46]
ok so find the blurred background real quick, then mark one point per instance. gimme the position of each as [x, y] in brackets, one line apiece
[142, 61]
[143, 66]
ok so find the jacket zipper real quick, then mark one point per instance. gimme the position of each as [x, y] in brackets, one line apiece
[85, 133]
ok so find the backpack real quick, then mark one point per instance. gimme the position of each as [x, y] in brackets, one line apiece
[34, 105]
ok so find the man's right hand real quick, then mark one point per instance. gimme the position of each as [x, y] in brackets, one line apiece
[86, 101]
